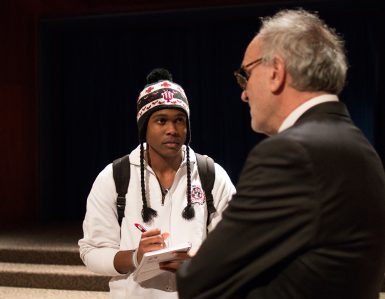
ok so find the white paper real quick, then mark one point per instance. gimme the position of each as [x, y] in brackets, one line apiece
[149, 265]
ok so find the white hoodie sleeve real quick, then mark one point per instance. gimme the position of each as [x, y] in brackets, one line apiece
[101, 239]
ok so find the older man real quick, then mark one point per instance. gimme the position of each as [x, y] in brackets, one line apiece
[308, 219]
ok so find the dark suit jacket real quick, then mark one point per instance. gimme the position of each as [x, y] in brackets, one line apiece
[308, 219]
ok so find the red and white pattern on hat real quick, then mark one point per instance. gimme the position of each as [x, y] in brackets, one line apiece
[162, 101]
[161, 85]
[197, 195]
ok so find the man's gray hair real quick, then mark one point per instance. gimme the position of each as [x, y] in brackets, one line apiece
[313, 53]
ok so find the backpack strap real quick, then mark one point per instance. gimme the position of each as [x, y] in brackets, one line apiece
[121, 172]
[206, 170]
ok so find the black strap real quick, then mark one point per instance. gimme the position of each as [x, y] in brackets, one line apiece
[206, 170]
[121, 172]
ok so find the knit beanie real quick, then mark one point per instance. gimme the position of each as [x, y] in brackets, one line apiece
[162, 93]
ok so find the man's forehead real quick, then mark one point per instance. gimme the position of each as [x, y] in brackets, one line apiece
[168, 112]
[251, 51]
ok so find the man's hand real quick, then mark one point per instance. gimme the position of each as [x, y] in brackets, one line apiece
[151, 240]
[172, 266]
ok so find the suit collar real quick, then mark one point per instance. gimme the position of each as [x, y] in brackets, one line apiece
[292, 118]
[336, 108]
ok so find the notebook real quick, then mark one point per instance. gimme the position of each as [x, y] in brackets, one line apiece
[149, 265]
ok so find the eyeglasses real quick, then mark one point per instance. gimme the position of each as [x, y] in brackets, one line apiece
[242, 76]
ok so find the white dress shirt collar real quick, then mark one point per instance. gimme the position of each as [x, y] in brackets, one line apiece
[297, 112]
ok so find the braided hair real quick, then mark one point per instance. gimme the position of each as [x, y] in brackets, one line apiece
[188, 211]
[147, 212]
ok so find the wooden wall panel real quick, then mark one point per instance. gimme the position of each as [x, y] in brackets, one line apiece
[18, 114]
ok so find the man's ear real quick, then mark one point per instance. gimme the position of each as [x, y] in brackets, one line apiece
[278, 75]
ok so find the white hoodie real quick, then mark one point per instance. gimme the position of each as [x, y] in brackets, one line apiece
[103, 237]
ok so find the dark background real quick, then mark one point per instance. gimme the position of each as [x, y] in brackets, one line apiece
[71, 72]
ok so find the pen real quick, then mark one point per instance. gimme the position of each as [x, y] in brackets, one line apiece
[140, 227]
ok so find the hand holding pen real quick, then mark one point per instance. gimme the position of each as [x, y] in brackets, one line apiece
[143, 230]
[150, 240]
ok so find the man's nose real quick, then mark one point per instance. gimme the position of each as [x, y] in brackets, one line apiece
[244, 96]
[171, 128]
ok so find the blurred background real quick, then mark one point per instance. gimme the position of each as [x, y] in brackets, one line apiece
[71, 71]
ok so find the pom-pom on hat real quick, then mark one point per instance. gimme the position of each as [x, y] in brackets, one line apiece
[160, 93]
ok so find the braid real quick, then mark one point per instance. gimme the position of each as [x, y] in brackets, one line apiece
[147, 213]
[143, 187]
[188, 176]
[188, 212]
